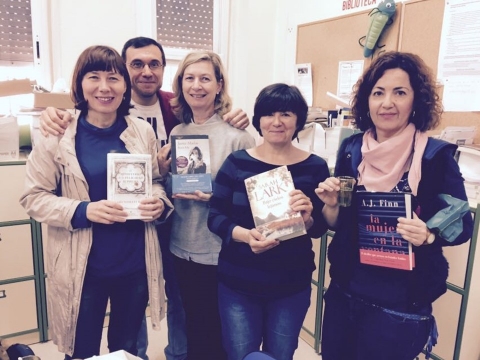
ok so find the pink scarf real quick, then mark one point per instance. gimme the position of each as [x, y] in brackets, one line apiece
[384, 164]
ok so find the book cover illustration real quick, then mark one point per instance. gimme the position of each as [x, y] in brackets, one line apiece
[378, 240]
[191, 164]
[129, 181]
[268, 194]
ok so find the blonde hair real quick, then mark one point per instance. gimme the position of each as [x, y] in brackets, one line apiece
[223, 102]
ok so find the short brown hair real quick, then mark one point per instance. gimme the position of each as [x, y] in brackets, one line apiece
[223, 102]
[427, 106]
[99, 58]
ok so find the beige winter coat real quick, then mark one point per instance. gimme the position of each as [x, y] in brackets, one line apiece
[54, 186]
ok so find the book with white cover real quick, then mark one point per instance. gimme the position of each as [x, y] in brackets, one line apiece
[129, 181]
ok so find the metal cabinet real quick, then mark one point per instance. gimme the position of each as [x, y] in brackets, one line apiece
[22, 286]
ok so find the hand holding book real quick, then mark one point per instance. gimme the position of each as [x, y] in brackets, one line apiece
[258, 243]
[413, 230]
[106, 212]
[301, 203]
[197, 195]
[151, 209]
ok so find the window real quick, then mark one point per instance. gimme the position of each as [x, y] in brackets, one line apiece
[185, 24]
[22, 27]
[16, 32]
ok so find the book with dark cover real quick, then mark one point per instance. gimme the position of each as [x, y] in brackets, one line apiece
[129, 181]
[268, 194]
[378, 240]
[191, 164]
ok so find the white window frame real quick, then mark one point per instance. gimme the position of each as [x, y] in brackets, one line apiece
[147, 26]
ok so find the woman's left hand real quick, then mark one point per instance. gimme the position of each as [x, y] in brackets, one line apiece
[151, 207]
[301, 202]
[413, 230]
[197, 196]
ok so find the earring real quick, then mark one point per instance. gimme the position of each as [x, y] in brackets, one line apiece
[368, 113]
[413, 114]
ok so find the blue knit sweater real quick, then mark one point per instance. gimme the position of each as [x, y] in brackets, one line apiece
[283, 270]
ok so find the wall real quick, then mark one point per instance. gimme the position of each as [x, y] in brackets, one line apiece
[262, 35]
[78, 24]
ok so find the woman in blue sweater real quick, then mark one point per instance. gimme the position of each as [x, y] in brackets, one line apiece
[374, 312]
[264, 285]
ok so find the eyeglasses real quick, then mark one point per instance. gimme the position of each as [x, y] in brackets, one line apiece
[139, 65]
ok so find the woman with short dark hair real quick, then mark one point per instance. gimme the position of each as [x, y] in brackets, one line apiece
[265, 284]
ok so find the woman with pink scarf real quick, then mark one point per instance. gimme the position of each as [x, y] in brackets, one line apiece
[376, 312]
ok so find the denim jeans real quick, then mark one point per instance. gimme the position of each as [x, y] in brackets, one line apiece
[176, 348]
[249, 320]
[128, 299]
[354, 329]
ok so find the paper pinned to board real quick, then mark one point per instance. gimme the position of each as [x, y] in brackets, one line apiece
[303, 80]
[459, 135]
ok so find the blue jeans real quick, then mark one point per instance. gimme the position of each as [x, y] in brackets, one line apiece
[354, 329]
[128, 299]
[249, 320]
[176, 348]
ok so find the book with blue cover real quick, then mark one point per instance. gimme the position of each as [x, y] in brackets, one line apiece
[191, 164]
[378, 240]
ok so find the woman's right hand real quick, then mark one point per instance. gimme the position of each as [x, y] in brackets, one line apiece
[54, 121]
[327, 191]
[106, 212]
[258, 243]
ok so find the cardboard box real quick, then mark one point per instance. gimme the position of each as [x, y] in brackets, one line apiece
[16, 87]
[57, 100]
[9, 138]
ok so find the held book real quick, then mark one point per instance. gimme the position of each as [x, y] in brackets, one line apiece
[129, 181]
[191, 164]
[379, 242]
[268, 194]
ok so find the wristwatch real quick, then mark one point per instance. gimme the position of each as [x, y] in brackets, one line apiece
[430, 237]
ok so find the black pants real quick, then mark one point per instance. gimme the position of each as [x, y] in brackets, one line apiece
[128, 300]
[353, 329]
[199, 292]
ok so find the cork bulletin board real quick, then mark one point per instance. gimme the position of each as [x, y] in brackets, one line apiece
[416, 28]
[426, 17]
[325, 43]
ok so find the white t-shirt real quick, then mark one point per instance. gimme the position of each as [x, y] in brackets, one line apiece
[152, 114]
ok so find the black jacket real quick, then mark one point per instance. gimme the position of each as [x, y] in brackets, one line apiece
[440, 174]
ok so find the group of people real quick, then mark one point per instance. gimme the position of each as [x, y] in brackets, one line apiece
[230, 290]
